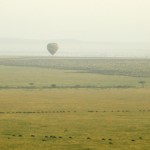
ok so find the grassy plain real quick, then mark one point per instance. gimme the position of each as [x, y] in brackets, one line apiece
[74, 118]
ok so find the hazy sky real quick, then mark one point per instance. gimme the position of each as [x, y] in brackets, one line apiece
[91, 20]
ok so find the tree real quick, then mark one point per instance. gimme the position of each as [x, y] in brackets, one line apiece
[53, 85]
[142, 83]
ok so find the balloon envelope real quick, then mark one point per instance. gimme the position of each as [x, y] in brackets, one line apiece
[52, 48]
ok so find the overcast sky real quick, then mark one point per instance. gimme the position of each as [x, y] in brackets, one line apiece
[90, 20]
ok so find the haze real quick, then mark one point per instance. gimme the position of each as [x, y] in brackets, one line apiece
[115, 21]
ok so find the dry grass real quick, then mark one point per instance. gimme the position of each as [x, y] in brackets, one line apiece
[77, 118]
[23, 76]
[120, 126]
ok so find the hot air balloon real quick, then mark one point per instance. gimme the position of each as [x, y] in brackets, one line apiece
[52, 48]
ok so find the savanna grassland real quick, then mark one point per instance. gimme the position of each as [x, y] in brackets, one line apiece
[74, 104]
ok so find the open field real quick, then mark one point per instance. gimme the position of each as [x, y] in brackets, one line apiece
[79, 119]
[43, 72]
[110, 66]
[62, 104]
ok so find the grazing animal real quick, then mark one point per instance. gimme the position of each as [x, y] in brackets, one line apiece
[52, 136]
[65, 130]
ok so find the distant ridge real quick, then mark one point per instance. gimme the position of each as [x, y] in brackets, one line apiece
[73, 48]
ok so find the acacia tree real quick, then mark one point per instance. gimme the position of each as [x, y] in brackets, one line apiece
[53, 85]
[142, 83]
